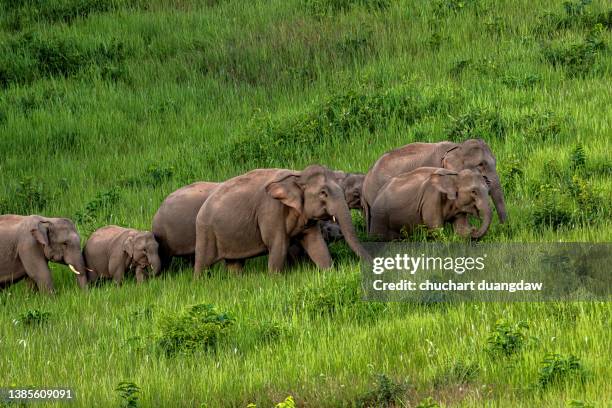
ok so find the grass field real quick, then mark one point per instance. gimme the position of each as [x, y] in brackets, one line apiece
[106, 106]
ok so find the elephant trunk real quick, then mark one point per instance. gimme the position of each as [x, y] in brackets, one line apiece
[76, 263]
[155, 262]
[343, 216]
[485, 210]
[498, 199]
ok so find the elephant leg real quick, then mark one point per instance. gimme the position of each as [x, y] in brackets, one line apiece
[461, 225]
[37, 269]
[379, 227]
[116, 268]
[205, 252]
[316, 248]
[278, 253]
[234, 265]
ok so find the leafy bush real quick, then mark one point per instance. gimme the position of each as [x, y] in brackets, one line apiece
[97, 211]
[575, 15]
[268, 331]
[287, 403]
[154, 176]
[129, 394]
[557, 369]
[199, 327]
[385, 393]
[550, 210]
[507, 338]
[321, 8]
[29, 197]
[33, 317]
[543, 125]
[476, 122]
[444, 8]
[578, 58]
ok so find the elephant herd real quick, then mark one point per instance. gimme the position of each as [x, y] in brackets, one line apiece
[278, 212]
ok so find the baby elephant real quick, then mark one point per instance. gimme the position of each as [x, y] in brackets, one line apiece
[431, 196]
[112, 250]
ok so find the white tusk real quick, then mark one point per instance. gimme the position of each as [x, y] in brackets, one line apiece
[73, 269]
[89, 270]
[334, 218]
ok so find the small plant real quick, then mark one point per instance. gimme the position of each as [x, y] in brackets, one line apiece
[428, 402]
[481, 123]
[129, 394]
[459, 373]
[385, 393]
[268, 331]
[29, 197]
[33, 317]
[579, 404]
[550, 210]
[557, 369]
[287, 403]
[154, 176]
[578, 158]
[507, 338]
[97, 211]
[199, 327]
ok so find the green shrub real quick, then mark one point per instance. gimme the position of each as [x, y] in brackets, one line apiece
[268, 331]
[321, 8]
[32, 317]
[482, 123]
[129, 394]
[578, 58]
[557, 369]
[459, 373]
[386, 392]
[444, 8]
[154, 176]
[198, 327]
[287, 403]
[507, 338]
[30, 196]
[550, 210]
[579, 404]
[97, 212]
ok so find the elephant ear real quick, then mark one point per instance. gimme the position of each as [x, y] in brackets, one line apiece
[453, 158]
[445, 182]
[287, 191]
[41, 232]
[128, 246]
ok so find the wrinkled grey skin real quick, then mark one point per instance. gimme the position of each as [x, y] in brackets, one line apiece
[111, 251]
[261, 211]
[28, 243]
[174, 222]
[351, 184]
[473, 154]
[431, 196]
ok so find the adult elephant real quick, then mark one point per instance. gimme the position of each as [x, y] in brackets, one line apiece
[431, 196]
[28, 243]
[262, 211]
[473, 154]
[112, 250]
[174, 223]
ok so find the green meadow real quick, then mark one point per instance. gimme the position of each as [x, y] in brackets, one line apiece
[107, 106]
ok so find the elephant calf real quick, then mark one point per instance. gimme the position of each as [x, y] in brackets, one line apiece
[112, 250]
[28, 243]
[431, 196]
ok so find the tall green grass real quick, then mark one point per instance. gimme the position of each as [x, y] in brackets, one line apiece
[108, 106]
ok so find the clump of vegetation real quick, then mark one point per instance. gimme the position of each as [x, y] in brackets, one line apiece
[386, 392]
[483, 123]
[550, 210]
[129, 394]
[428, 402]
[272, 141]
[511, 173]
[289, 402]
[154, 176]
[578, 58]
[29, 197]
[268, 331]
[32, 317]
[576, 15]
[198, 327]
[444, 8]
[32, 55]
[557, 369]
[520, 81]
[322, 8]
[507, 338]
[579, 404]
[459, 372]
[543, 125]
[97, 211]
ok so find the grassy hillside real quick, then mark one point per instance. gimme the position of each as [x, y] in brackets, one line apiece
[106, 106]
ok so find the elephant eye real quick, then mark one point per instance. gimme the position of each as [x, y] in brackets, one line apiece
[323, 193]
[474, 192]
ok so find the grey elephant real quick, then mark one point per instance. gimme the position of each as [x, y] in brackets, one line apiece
[28, 243]
[351, 184]
[431, 196]
[174, 223]
[111, 251]
[472, 154]
[262, 211]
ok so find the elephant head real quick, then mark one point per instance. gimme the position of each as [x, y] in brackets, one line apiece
[352, 185]
[143, 251]
[468, 192]
[61, 243]
[475, 154]
[316, 195]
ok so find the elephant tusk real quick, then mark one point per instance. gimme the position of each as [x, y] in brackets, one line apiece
[73, 269]
[334, 219]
